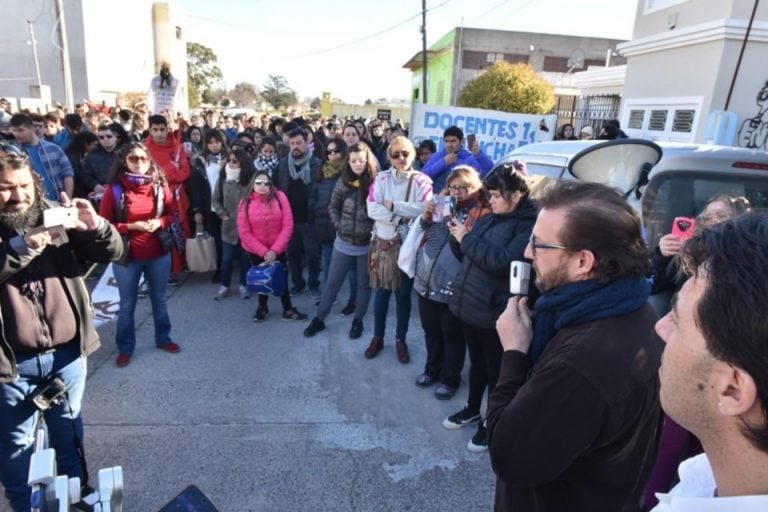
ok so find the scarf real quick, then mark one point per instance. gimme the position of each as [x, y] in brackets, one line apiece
[333, 168]
[304, 173]
[584, 301]
[268, 164]
[138, 179]
[233, 174]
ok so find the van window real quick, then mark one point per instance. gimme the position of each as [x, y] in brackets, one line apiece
[685, 194]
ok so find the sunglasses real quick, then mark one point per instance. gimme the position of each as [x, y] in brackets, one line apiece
[399, 154]
[134, 159]
[102, 137]
[332, 151]
[540, 245]
[260, 183]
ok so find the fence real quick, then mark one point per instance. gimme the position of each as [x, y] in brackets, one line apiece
[581, 111]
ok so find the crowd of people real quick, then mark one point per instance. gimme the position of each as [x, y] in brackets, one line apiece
[571, 371]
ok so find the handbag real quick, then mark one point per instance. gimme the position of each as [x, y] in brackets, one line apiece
[406, 260]
[267, 278]
[201, 252]
[178, 237]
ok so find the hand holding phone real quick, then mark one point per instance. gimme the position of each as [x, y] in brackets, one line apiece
[684, 227]
[471, 140]
[63, 216]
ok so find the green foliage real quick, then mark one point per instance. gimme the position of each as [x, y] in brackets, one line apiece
[509, 88]
[203, 73]
[277, 93]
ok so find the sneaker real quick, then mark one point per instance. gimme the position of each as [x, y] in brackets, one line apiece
[223, 293]
[445, 392]
[244, 293]
[348, 309]
[402, 351]
[314, 327]
[170, 347]
[315, 292]
[261, 313]
[461, 418]
[377, 343]
[479, 441]
[293, 314]
[297, 290]
[143, 290]
[424, 380]
[173, 280]
[123, 360]
[356, 330]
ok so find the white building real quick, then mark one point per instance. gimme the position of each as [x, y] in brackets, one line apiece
[115, 47]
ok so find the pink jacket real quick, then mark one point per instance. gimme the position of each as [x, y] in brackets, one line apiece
[266, 226]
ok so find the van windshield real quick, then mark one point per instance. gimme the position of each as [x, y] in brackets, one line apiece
[685, 194]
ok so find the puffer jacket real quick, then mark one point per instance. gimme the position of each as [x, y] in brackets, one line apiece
[481, 290]
[322, 192]
[264, 225]
[349, 215]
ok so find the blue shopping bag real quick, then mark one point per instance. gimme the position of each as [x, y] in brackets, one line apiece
[267, 279]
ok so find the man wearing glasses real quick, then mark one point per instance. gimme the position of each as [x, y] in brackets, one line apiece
[574, 418]
[99, 162]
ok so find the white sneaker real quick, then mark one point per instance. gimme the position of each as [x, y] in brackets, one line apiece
[223, 293]
[244, 292]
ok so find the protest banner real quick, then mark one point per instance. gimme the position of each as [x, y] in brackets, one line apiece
[497, 132]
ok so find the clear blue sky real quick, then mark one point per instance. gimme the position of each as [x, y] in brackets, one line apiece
[255, 38]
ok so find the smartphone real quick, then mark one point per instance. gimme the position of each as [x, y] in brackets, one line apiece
[60, 216]
[519, 277]
[684, 227]
[437, 213]
[471, 138]
[449, 206]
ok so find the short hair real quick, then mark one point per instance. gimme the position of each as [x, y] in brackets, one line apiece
[124, 115]
[732, 312]
[73, 121]
[428, 144]
[268, 141]
[470, 176]
[598, 219]
[453, 131]
[401, 143]
[36, 118]
[157, 119]
[51, 117]
[298, 132]
[19, 120]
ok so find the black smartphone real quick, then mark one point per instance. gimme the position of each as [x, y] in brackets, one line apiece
[471, 140]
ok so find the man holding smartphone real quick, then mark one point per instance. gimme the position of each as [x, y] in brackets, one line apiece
[45, 318]
[453, 154]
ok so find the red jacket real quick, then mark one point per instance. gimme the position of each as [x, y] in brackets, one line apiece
[266, 226]
[139, 203]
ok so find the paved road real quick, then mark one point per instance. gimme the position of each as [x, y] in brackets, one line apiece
[262, 419]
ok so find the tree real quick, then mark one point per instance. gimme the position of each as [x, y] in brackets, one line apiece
[316, 103]
[509, 88]
[277, 93]
[203, 73]
[368, 102]
[244, 94]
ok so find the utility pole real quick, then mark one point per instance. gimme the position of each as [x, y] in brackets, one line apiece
[68, 94]
[33, 43]
[424, 51]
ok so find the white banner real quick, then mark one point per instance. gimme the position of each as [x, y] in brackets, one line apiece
[497, 132]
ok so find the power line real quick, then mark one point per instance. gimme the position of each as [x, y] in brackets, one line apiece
[520, 7]
[365, 38]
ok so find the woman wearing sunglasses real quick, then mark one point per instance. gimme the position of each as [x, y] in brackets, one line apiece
[265, 226]
[135, 195]
[481, 290]
[397, 196]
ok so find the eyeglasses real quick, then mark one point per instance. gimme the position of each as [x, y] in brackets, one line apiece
[102, 137]
[134, 159]
[399, 154]
[331, 151]
[539, 245]
[458, 188]
[261, 183]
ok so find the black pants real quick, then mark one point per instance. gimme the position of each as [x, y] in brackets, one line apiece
[285, 298]
[485, 353]
[444, 341]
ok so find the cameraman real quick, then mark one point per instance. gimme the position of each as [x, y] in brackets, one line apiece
[45, 320]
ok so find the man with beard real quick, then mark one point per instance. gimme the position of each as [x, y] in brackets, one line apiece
[296, 176]
[45, 318]
[574, 418]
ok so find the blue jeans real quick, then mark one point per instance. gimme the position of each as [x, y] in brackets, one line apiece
[229, 254]
[341, 265]
[327, 250]
[381, 306]
[127, 277]
[18, 419]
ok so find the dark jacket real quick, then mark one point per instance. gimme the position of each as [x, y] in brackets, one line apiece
[200, 190]
[578, 430]
[96, 168]
[667, 275]
[481, 290]
[349, 215]
[99, 246]
[282, 180]
[437, 267]
[320, 200]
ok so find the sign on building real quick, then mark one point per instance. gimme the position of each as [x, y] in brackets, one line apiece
[497, 132]
[384, 113]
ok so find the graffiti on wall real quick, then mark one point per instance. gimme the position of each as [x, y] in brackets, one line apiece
[754, 130]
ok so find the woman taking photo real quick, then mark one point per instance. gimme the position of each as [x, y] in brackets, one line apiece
[265, 226]
[232, 186]
[481, 290]
[437, 268]
[397, 196]
[139, 203]
[348, 213]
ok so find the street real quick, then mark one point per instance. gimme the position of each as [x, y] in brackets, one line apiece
[263, 419]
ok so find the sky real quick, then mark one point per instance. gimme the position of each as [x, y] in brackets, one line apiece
[356, 49]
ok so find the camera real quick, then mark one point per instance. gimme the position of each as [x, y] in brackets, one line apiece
[519, 277]
[48, 394]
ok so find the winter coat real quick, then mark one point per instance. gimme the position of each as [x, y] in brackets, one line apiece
[321, 198]
[96, 168]
[392, 185]
[264, 225]
[349, 216]
[436, 169]
[226, 201]
[481, 290]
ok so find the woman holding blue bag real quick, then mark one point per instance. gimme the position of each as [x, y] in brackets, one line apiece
[265, 226]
